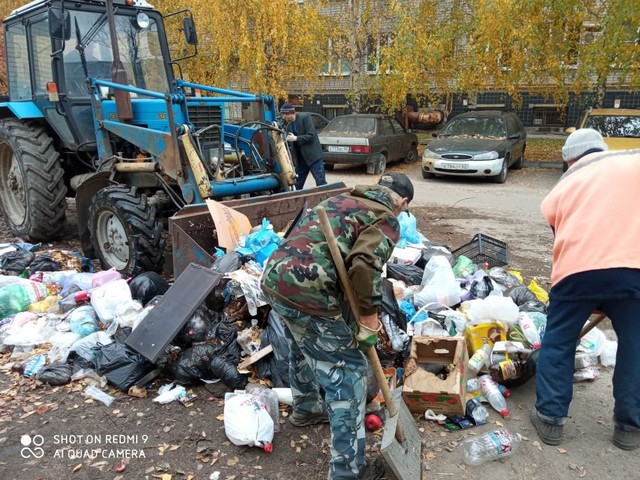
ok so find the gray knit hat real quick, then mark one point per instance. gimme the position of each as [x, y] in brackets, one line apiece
[580, 142]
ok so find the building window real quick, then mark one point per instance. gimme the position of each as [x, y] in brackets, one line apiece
[337, 63]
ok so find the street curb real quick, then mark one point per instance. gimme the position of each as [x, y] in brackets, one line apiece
[543, 164]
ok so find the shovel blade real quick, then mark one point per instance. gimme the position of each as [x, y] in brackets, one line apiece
[404, 460]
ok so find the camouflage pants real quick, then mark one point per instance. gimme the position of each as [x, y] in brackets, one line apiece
[323, 353]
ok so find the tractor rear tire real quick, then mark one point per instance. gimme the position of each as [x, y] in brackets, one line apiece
[32, 189]
[125, 233]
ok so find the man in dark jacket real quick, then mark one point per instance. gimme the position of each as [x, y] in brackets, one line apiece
[305, 145]
[301, 284]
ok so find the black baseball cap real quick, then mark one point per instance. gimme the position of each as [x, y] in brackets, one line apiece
[399, 183]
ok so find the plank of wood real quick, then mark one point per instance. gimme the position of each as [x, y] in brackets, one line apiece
[255, 357]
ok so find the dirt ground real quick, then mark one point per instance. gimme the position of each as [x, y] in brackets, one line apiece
[138, 439]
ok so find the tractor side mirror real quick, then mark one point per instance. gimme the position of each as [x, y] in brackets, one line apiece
[59, 24]
[190, 33]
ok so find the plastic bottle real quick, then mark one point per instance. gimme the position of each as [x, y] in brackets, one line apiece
[479, 359]
[507, 370]
[491, 392]
[506, 393]
[491, 446]
[478, 412]
[529, 330]
[33, 365]
[72, 300]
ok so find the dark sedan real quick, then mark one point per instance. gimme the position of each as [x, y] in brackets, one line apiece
[477, 144]
[369, 139]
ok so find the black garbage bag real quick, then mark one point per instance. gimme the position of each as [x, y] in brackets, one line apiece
[391, 307]
[193, 364]
[228, 373]
[16, 261]
[146, 286]
[409, 274]
[196, 328]
[121, 366]
[526, 300]
[223, 338]
[276, 365]
[55, 374]
[481, 288]
[432, 249]
[44, 263]
[504, 278]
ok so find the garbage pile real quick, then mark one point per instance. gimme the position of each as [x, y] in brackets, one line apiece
[459, 328]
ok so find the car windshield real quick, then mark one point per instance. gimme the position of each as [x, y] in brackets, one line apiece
[347, 124]
[615, 125]
[475, 127]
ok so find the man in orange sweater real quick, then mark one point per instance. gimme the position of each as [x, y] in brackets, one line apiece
[593, 211]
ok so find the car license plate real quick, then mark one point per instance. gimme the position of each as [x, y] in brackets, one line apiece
[453, 166]
[337, 149]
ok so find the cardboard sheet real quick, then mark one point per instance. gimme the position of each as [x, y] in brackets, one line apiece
[230, 224]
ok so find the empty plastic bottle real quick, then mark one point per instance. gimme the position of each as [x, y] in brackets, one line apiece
[529, 329]
[491, 446]
[478, 412]
[491, 392]
[479, 359]
[506, 393]
[72, 300]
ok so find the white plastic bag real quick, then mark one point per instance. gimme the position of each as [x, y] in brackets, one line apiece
[108, 298]
[168, 393]
[608, 354]
[492, 308]
[61, 346]
[438, 284]
[84, 346]
[247, 421]
[97, 394]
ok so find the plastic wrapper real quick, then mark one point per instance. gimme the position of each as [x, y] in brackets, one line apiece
[249, 286]
[148, 285]
[408, 229]
[247, 420]
[261, 243]
[76, 283]
[55, 374]
[583, 374]
[608, 353]
[83, 320]
[276, 365]
[438, 284]
[409, 274]
[122, 366]
[94, 392]
[168, 393]
[85, 346]
[463, 267]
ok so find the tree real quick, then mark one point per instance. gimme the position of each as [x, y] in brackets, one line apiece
[266, 46]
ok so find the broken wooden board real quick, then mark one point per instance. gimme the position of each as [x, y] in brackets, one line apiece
[173, 310]
[242, 366]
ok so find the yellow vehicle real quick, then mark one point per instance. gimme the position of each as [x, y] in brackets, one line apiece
[620, 127]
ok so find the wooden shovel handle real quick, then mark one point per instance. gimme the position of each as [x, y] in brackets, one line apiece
[348, 290]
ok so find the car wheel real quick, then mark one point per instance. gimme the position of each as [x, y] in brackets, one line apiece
[428, 174]
[519, 162]
[412, 156]
[381, 165]
[502, 176]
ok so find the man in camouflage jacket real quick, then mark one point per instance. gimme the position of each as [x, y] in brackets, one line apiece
[301, 283]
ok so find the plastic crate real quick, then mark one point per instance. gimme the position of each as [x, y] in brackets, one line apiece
[484, 249]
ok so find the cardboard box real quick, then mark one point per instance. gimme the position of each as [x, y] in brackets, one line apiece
[423, 390]
[476, 335]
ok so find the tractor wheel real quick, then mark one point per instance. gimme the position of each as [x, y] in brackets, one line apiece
[124, 231]
[32, 189]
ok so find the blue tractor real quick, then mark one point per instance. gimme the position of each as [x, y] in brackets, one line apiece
[96, 113]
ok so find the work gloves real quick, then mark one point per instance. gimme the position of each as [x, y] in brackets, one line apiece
[365, 336]
[291, 137]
